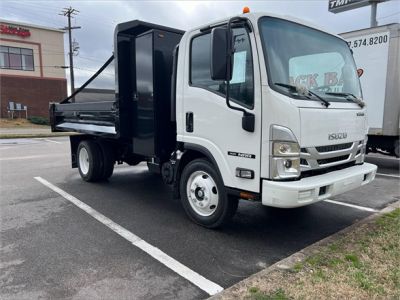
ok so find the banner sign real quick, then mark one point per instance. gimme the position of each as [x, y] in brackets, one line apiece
[337, 6]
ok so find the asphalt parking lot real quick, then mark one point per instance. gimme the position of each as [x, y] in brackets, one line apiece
[52, 248]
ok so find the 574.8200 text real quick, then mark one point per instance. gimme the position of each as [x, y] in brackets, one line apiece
[368, 41]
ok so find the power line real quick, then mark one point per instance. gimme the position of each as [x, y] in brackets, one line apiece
[70, 13]
[90, 70]
[396, 13]
[90, 58]
[62, 67]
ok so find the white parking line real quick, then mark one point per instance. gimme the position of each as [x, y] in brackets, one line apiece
[351, 205]
[383, 157]
[388, 175]
[206, 285]
[48, 140]
[30, 157]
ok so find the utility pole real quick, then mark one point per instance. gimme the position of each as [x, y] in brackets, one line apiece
[374, 7]
[70, 13]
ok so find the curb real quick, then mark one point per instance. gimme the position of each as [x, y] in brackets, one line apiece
[238, 289]
[34, 135]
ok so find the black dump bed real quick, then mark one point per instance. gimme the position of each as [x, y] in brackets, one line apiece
[141, 112]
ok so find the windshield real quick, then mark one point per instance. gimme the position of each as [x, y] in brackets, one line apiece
[301, 56]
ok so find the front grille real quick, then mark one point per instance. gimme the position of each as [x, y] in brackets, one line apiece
[309, 173]
[303, 162]
[332, 159]
[313, 158]
[330, 148]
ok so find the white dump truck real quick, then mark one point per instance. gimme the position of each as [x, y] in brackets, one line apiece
[376, 52]
[255, 107]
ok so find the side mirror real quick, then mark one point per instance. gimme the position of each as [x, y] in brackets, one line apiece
[219, 54]
[220, 58]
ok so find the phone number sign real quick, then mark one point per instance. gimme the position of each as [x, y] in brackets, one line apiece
[370, 40]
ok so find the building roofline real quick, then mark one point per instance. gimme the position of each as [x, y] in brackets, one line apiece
[12, 22]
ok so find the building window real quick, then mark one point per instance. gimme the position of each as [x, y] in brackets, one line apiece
[16, 58]
[241, 85]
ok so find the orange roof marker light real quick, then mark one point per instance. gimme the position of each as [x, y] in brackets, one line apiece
[246, 10]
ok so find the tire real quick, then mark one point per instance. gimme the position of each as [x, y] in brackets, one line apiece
[396, 148]
[203, 195]
[108, 157]
[90, 161]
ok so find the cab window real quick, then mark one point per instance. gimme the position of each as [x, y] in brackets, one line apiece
[241, 85]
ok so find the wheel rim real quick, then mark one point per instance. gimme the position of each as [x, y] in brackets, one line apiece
[202, 193]
[83, 160]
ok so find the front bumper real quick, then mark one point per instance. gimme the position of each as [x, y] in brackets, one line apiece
[309, 190]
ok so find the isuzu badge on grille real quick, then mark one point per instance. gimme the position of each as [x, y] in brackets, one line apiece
[337, 136]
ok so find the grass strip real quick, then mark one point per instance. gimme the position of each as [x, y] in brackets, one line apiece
[364, 264]
[20, 123]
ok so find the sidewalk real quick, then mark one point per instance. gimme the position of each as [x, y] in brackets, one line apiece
[30, 132]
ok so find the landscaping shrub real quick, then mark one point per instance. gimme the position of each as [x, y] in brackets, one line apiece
[39, 120]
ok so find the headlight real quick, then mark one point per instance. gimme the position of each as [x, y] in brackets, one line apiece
[285, 168]
[285, 154]
[286, 149]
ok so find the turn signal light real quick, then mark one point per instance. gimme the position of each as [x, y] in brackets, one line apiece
[246, 10]
[247, 196]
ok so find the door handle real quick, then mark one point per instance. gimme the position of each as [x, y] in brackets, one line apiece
[189, 122]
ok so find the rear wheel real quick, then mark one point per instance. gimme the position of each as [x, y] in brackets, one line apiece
[108, 156]
[397, 148]
[90, 162]
[203, 195]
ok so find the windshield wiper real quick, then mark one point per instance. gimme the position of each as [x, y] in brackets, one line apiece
[301, 90]
[353, 98]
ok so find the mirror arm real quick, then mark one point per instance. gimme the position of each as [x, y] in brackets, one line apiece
[228, 65]
[248, 119]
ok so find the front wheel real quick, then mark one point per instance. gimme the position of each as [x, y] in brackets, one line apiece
[203, 195]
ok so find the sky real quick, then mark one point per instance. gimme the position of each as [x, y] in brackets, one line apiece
[98, 19]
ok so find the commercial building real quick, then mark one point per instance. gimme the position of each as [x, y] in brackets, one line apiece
[31, 67]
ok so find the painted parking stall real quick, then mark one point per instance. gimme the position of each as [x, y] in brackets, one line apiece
[144, 217]
[206, 285]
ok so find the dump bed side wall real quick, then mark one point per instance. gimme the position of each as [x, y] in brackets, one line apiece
[165, 43]
[141, 118]
[125, 84]
[96, 118]
[154, 131]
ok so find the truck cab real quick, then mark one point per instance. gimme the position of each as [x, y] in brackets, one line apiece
[260, 108]
[301, 150]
